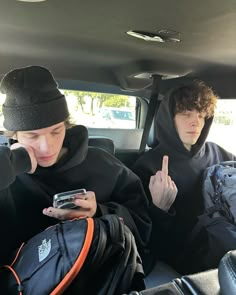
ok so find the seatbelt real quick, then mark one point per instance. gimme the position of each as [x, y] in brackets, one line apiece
[151, 111]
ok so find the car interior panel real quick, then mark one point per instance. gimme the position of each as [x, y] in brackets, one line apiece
[213, 282]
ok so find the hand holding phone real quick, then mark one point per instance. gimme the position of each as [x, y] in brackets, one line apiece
[65, 200]
[82, 199]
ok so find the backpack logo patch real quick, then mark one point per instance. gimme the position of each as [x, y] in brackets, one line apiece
[44, 249]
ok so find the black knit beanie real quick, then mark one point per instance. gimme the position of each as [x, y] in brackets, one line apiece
[33, 100]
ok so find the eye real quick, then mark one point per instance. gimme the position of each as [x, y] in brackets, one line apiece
[56, 132]
[30, 136]
[202, 116]
[186, 114]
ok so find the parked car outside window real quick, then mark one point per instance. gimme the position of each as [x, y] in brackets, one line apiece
[115, 118]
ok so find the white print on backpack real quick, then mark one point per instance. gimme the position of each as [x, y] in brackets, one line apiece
[44, 249]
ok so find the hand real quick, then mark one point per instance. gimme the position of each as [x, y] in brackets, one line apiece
[87, 207]
[30, 151]
[163, 190]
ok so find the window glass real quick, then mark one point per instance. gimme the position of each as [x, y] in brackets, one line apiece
[223, 129]
[101, 110]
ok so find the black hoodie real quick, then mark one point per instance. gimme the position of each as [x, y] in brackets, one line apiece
[23, 196]
[185, 168]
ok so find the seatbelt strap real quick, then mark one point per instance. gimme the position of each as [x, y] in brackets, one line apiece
[151, 111]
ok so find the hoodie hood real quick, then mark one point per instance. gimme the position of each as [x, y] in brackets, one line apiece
[167, 135]
[76, 141]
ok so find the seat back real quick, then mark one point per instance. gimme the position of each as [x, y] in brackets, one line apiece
[102, 142]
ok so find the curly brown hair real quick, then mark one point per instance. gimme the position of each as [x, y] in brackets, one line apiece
[194, 96]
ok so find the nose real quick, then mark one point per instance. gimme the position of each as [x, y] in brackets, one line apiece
[44, 144]
[195, 120]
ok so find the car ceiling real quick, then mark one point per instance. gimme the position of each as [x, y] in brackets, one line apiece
[87, 41]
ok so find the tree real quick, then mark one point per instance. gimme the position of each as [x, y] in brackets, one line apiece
[79, 95]
[117, 101]
[102, 97]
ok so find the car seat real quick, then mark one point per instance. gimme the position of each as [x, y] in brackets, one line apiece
[102, 142]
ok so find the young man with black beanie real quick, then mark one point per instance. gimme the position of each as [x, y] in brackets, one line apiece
[48, 159]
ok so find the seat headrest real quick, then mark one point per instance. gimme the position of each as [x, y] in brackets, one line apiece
[102, 142]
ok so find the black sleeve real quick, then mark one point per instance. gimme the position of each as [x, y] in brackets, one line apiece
[218, 154]
[227, 156]
[130, 203]
[12, 163]
[144, 174]
[230, 157]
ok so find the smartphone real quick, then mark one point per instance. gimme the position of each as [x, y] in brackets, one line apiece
[65, 200]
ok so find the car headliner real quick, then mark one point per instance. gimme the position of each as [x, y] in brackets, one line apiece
[87, 41]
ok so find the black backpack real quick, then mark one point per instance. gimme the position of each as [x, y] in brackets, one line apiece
[82, 256]
[215, 232]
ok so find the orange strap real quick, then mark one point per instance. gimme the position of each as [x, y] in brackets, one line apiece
[17, 254]
[13, 272]
[70, 276]
[16, 277]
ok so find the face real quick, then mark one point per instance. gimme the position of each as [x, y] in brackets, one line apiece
[46, 142]
[189, 125]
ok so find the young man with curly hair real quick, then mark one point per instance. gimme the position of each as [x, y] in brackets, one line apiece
[171, 172]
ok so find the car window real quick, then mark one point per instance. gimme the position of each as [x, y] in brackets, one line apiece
[224, 125]
[102, 110]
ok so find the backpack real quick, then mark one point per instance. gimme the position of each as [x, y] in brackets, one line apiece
[81, 256]
[215, 231]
